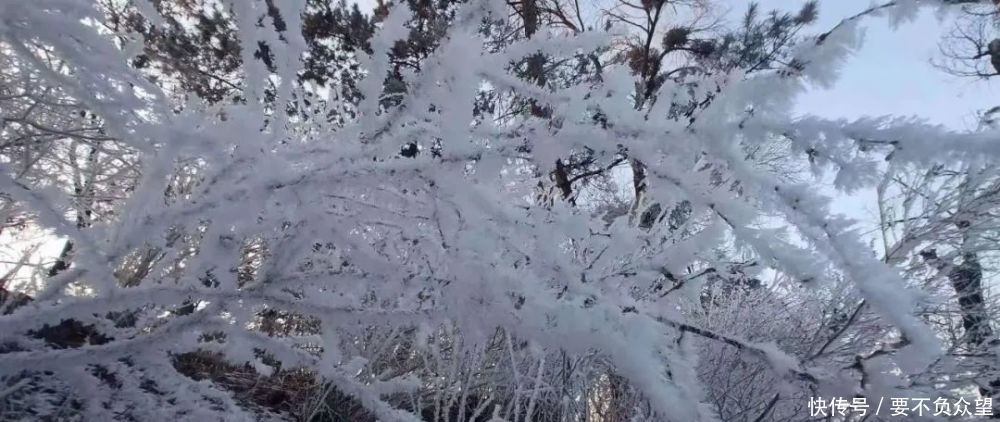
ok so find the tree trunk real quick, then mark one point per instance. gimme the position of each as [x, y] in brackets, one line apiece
[967, 280]
[536, 63]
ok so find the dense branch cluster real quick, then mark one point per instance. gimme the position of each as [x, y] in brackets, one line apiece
[535, 210]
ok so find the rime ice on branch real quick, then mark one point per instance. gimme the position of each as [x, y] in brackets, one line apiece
[262, 232]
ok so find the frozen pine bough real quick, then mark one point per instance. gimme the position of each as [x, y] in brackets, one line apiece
[256, 264]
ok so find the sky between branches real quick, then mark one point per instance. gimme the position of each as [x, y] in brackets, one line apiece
[892, 74]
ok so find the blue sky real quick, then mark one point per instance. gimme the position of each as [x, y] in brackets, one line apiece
[892, 73]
